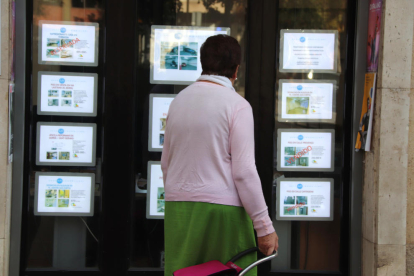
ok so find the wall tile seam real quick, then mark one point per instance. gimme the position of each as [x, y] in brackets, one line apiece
[393, 244]
[394, 90]
[368, 240]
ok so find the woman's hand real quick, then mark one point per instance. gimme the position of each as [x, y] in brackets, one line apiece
[268, 244]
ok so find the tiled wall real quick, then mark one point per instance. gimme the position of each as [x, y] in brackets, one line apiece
[5, 168]
[385, 214]
[410, 176]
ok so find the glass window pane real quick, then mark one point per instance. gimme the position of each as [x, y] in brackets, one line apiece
[63, 243]
[148, 234]
[315, 245]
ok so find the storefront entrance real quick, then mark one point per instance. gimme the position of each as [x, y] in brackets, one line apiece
[118, 238]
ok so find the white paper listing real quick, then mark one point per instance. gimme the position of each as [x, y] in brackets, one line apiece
[309, 50]
[299, 199]
[66, 144]
[67, 94]
[68, 43]
[305, 150]
[306, 101]
[64, 194]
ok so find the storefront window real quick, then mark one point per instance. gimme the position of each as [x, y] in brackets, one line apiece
[310, 245]
[61, 242]
[148, 234]
[120, 235]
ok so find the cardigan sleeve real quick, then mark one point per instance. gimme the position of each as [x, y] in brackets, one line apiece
[244, 170]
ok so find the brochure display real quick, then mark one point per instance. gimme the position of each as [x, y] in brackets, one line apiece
[374, 34]
[70, 94]
[155, 191]
[307, 101]
[367, 113]
[308, 50]
[305, 149]
[68, 43]
[65, 144]
[159, 105]
[305, 199]
[64, 194]
[175, 52]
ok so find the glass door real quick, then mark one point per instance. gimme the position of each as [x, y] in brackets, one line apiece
[147, 239]
[68, 98]
[286, 52]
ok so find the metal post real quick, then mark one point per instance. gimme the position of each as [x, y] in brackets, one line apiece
[357, 157]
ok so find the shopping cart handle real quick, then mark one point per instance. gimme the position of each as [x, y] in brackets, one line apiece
[265, 259]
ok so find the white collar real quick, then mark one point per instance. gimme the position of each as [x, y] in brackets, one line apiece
[217, 79]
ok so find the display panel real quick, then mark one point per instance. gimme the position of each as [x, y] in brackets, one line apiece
[70, 94]
[304, 199]
[155, 191]
[65, 144]
[68, 43]
[175, 52]
[64, 194]
[305, 149]
[308, 50]
[307, 101]
[159, 106]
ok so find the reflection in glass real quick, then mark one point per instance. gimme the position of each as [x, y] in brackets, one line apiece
[148, 234]
[314, 245]
[61, 243]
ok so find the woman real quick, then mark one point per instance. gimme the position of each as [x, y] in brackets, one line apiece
[212, 189]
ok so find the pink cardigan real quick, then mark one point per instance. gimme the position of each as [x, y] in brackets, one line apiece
[208, 153]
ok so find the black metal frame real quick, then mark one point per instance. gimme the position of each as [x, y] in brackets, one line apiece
[119, 94]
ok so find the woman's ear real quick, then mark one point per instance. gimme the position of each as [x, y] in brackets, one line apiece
[234, 77]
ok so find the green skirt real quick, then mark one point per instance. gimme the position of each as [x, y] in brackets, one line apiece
[197, 232]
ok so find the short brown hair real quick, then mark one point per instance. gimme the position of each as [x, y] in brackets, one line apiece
[220, 55]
